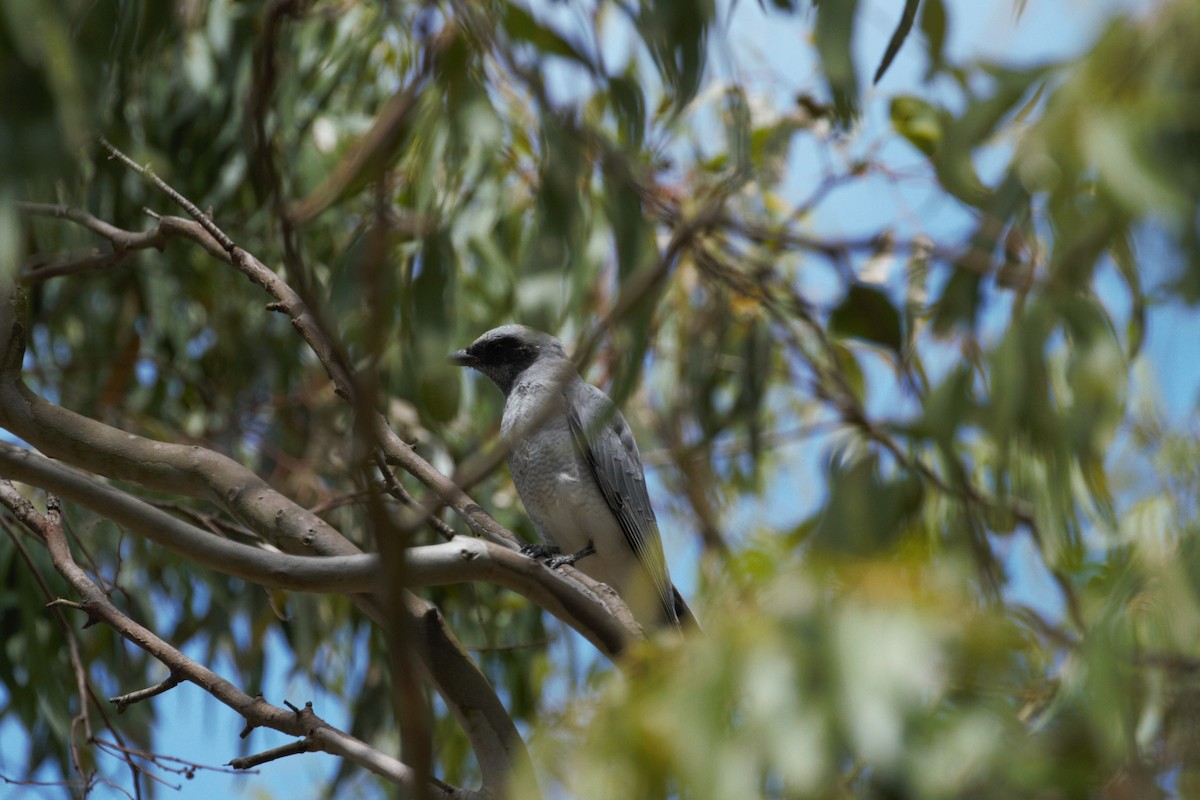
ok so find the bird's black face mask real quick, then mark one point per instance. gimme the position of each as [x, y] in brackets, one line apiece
[500, 358]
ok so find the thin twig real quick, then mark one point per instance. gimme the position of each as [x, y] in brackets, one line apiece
[179, 766]
[124, 701]
[394, 488]
[193, 211]
[275, 753]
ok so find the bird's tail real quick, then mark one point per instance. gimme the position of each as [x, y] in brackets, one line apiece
[684, 614]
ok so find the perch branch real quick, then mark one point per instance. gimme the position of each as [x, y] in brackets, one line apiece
[256, 711]
[346, 574]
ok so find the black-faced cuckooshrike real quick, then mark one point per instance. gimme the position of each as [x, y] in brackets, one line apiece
[577, 470]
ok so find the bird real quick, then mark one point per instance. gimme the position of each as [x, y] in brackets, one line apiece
[577, 469]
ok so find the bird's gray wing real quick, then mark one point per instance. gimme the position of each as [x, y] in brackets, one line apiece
[603, 437]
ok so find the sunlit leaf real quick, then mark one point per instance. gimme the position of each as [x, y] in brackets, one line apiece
[850, 370]
[917, 121]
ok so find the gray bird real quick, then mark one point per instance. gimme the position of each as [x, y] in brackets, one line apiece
[577, 470]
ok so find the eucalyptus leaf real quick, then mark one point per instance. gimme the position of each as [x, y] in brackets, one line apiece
[867, 313]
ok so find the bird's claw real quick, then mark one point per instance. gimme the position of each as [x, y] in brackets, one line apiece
[570, 559]
[539, 551]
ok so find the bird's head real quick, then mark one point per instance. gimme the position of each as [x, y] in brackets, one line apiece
[503, 353]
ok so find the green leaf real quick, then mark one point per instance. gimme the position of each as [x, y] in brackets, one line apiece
[521, 25]
[851, 371]
[1122, 254]
[629, 103]
[898, 37]
[676, 31]
[946, 406]
[834, 39]
[866, 512]
[916, 293]
[980, 121]
[431, 297]
[918, 121]
[959, 302]
[933, 25]
[1096, 374]
[868, 314]
[631, 233]
[738, 129]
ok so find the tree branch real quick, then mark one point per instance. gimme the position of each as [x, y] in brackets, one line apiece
[124, 701]
[174, 468]
[304, 745]
[349, 574]
[139, 455]
[382, 140]
[592, 611]
[201, 473]
[255, 710]
[157, 465]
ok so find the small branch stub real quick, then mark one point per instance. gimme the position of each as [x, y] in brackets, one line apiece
[92, 616]
[124, 701]
[275, 753]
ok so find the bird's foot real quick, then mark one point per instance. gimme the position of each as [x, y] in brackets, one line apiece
[570, 559]
[539, 551]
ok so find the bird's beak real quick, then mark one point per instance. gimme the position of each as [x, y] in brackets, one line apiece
[463, 359]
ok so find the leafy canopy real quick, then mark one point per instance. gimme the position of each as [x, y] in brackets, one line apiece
[938, 409]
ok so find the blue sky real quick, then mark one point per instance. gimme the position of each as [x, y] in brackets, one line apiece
[766, 54]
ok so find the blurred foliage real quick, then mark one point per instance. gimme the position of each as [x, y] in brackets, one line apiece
[972, 380]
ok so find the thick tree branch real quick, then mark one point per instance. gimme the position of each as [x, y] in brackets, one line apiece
[255, 710]
[396, 451]
[495, 741]
[494, 737]
[594, 612]
[174, 468]
[519, 574]
[348, 574]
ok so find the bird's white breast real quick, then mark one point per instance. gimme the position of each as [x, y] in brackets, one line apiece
[558, 490]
